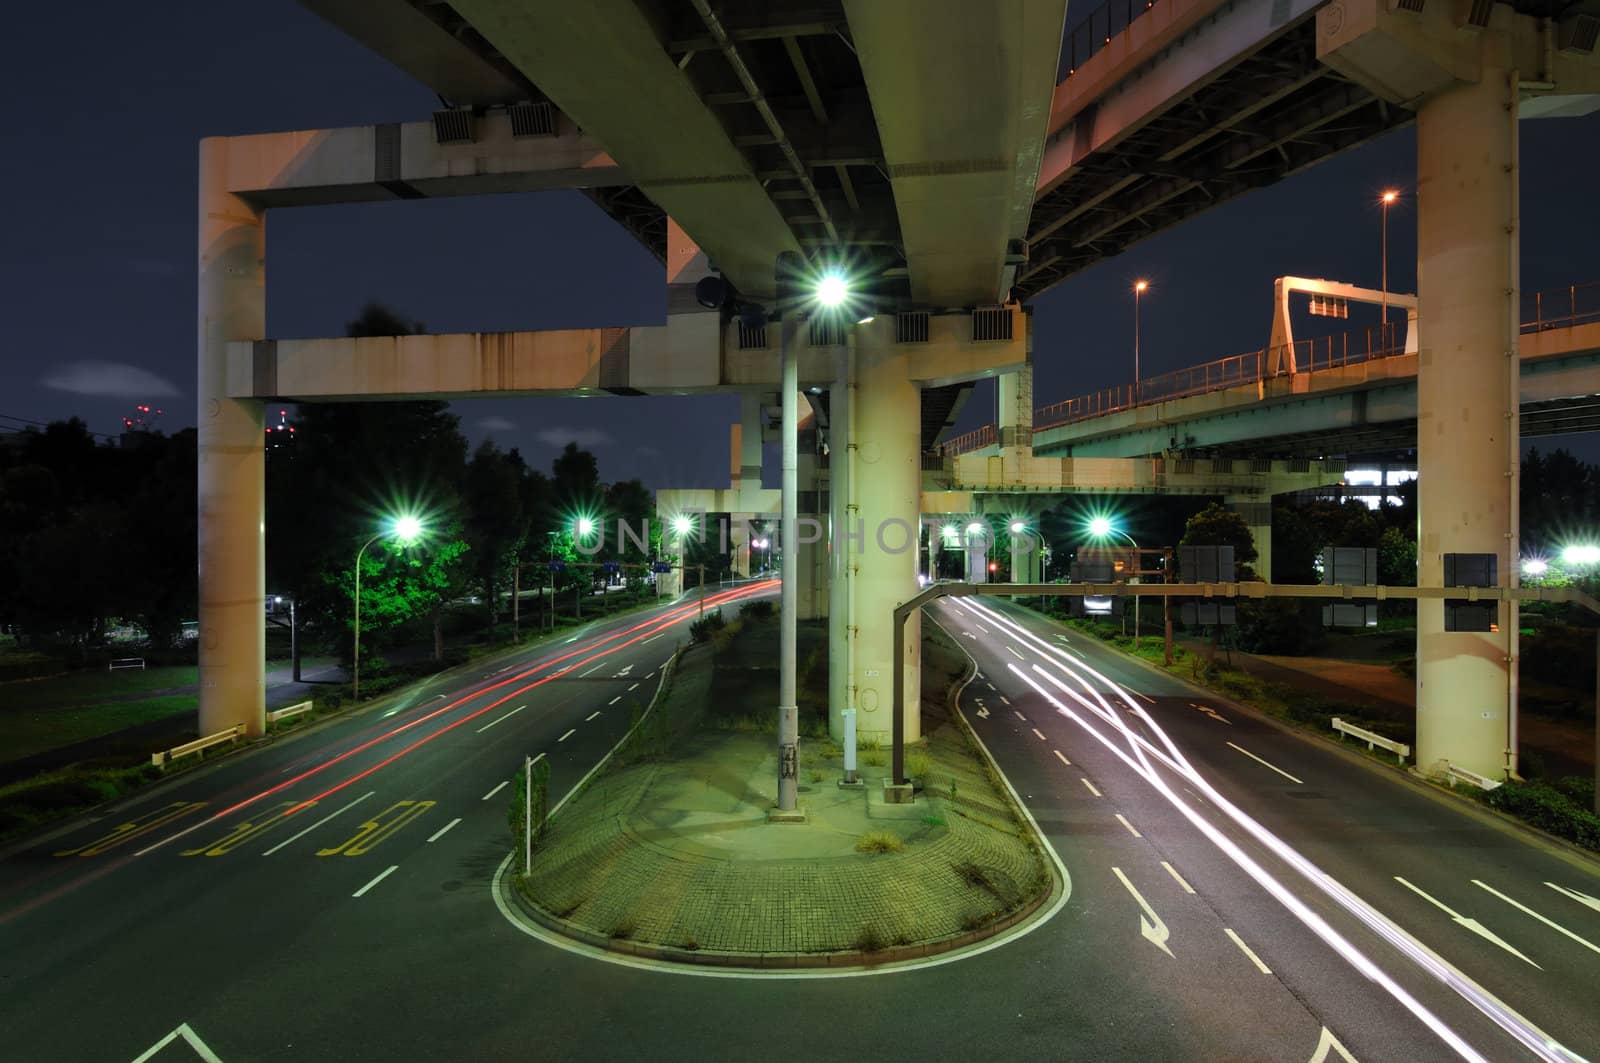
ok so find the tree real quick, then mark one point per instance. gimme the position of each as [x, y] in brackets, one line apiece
[1217, 525]
[1397, 559]
[495, 524]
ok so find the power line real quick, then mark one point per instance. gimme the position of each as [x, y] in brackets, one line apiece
[45, 424]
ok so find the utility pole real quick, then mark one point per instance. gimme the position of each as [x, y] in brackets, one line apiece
[787, 269]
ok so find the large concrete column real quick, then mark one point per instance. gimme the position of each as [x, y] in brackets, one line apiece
[232, 466]
[749, 453]
[1257, 513]
[1467, 433]
[813, 560]
[888, 487]
[1016, 407]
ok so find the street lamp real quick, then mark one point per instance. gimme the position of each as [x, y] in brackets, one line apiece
[1139, 287]
[1387, 199]
[407, 530]
[1102, 528]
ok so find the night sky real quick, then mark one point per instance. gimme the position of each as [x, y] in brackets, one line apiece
[97, 262]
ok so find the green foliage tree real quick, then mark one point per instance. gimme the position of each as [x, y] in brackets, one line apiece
[495, 522]
[1216, 525]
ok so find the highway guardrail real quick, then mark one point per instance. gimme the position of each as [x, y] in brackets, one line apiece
[1482, 782]
[161, 759]
[1400, 750]
[289, 710]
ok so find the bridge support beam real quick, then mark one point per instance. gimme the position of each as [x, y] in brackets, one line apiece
[1015, 423]
[1257, 513]
[1467, 402]
[888, 486]
[232, 461]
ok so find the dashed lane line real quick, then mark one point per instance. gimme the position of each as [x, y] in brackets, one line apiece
[1174, 873]
[1090, 785]
[501, 719]
[441, 831]
[590, 672]
[381, 876]
[568, 735]
[1263, 968]
[1039, 734]
[496, 790]
[589, 718]
[1019, 716]
[613, 701]
[1131, 828]
[1062, 758]
[320, 822]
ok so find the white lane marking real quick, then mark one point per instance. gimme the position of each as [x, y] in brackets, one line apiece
[568, 735]
[496, 790]
[992, 690]
[572, 640]
[634, 687]
[652, 675]
[536, 760]
[613, 701]
[623, 673]
[1005, 699]
[1557, 927]
[1580, 897]
[1150, 925]
[501, 719]
[1015, 654]
[1237, 940]
[1124, 821]
[191, 1038]
[590, 672]
[1258, 760]
[983, 713]
[981, 628]
[1468, 924]
[977, 675]
[1061, 758]
[1019, 715]
[440, 832]
[1329, 1043]
[319, 823]
[1039, 733]
[1213, 713]
[1145, 696]
[663, 664]
[438, 697]
[381, 876]
[970, 635]
[652, 638]
[1174, 873]
[385, 716]
[1090, 785]
[591, 716]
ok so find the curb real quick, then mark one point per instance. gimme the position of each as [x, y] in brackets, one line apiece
[851, 959]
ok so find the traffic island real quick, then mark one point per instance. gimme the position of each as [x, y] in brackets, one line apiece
[670, 851]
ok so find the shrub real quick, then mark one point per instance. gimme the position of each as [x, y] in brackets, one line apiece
[879, 841]
[869, 939]
[28, 665]
[707, 626]
[1548, 808]
[917, 765]
[759, 609]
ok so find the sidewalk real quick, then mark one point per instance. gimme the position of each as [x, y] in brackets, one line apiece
[674, 857]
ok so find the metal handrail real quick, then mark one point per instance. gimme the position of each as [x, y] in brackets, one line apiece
[985, 436]
[1095, 31]
[1576, 304]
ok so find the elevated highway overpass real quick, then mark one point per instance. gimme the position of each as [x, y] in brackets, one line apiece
[952, 158]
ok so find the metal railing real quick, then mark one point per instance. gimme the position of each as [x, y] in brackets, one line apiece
[167, 756]
[1097, 29]
[1575, 304]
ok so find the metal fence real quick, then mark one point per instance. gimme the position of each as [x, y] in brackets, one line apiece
[1096, 30]
[1575, 304]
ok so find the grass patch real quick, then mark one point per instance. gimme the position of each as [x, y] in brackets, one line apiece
[25, 730]
[33, 802]
[1553, 808]
[879, 841]
[917, 766]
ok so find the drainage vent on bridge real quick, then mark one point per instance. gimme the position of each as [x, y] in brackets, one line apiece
[824, 331]
[532, 119]
[991, 323]
[1260, 464]
[1578, 33]
[453, 126]
[1477, 13]
[911, 327]
[752, 337]
[1299, 464]
[1413, 6]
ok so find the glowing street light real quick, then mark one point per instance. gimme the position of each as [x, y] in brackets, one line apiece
[977, 527]
[831, 289]
[682, 525]
[1534, 566]
[1017, 527]
[406, 530]
[1388, 199]
[585, 526]
[1139, 287]
[1101, 527]
[1581, 554]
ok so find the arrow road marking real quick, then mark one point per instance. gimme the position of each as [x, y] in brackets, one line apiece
[1581, 898]
[1468, 924]
[1150, 925]
[983, 714]
[1557, 927]
[1329, 1043]
[190, 1038]
[970, 635]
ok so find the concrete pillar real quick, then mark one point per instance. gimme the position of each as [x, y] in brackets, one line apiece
[232, 466]
[1467, 432]
[935, 529]
[888, 488]
[977, 556]
[748, 455]
[1016, 407]
[1257, 513]
[739, 543]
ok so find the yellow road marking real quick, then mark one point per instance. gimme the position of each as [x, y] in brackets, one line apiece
[247, 830]
[379, 827]
[132, 829]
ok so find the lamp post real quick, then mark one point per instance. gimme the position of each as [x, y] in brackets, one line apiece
[406, 529]
[1388, 198]
[1100, 528]
[1139, 287]
[1019, 529]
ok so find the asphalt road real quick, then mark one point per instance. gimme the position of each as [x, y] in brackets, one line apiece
[363, 927]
